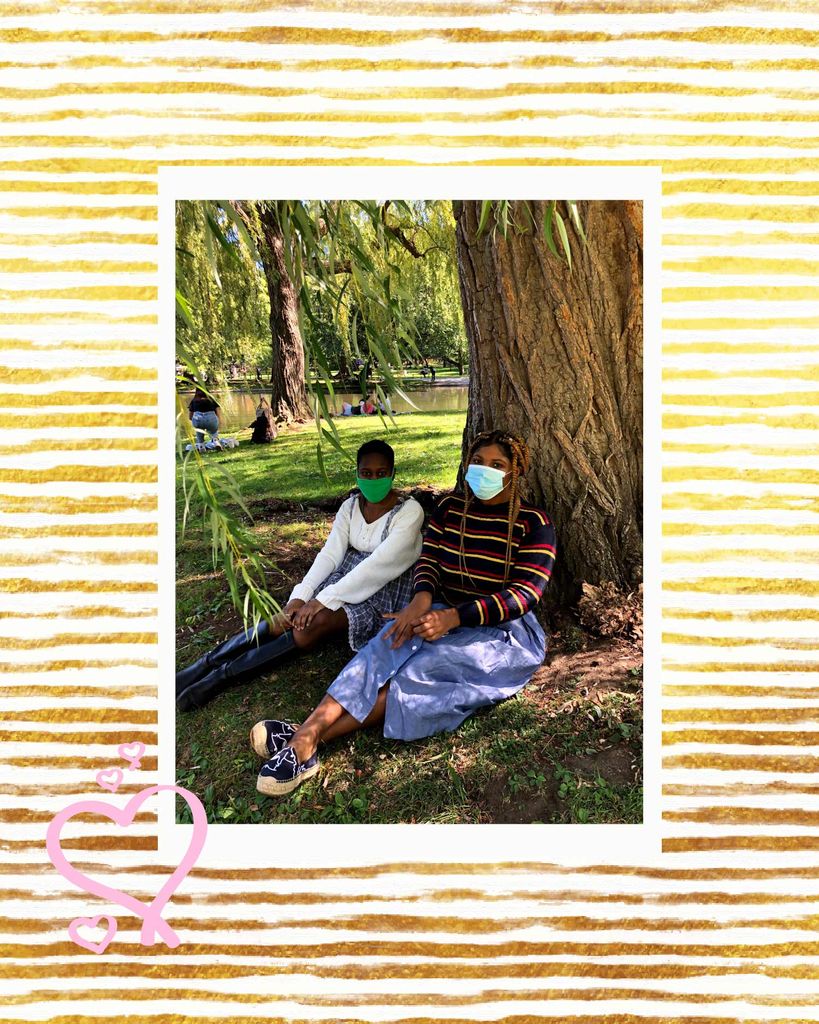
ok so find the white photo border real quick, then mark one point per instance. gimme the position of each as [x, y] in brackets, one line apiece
[353, 845]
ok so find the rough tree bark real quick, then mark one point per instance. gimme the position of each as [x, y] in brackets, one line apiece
[556, 357]
[289, 395]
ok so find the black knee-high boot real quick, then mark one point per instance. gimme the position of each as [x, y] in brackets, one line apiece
[226, 651]
[240, 670]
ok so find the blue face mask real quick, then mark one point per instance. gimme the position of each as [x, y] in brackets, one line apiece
[486, 481]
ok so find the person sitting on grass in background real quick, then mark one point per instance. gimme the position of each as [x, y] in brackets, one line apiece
[203, 413]
[264, 429]
[366, 407]
[363, 571]
[467, 639]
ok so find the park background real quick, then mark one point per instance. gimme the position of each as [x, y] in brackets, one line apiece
[722, 98]
[333, 301]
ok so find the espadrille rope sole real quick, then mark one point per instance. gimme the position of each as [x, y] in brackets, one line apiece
[270, 787]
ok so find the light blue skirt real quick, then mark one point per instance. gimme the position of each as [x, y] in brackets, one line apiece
[434, 686]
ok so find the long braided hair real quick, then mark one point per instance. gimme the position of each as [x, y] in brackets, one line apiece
[517, 451]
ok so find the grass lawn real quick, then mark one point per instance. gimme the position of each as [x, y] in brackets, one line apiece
[427, 450]
[567, 748]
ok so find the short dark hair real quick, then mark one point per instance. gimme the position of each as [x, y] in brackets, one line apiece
[376, 448]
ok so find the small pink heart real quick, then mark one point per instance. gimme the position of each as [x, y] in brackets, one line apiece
[131, 752]
[93, 922]
[109, 778]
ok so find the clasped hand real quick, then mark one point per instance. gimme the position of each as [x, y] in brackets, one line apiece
[305, 615]
[299, 614]
[418, 619]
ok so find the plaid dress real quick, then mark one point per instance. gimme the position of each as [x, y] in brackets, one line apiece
[367, 618]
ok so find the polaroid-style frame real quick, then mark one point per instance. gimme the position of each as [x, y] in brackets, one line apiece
[340, 845]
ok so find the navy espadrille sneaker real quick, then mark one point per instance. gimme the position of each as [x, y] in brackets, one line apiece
[284, 772]
[270, 736]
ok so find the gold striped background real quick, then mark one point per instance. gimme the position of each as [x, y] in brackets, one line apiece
[722, 96]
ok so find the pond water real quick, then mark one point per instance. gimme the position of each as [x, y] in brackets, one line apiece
[239, 407]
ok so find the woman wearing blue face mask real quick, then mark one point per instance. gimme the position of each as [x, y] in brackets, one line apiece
[467, 639]
[363, 571]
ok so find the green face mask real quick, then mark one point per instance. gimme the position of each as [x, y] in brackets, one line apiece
[375, 490]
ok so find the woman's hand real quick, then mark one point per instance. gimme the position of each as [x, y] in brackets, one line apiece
[434, 624]
[305, 615]
[406, 619]
[285, 616]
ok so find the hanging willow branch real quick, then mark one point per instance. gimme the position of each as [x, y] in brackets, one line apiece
[232, 545]
[342, 250]
[502, 211]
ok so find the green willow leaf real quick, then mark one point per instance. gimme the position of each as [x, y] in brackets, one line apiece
[502, 216]
[529, 216]
[483, 220]
[575, 215]
[333, 440]
[383, 399]
[548, 237]
[320, 460]
[402, 394]
[184, 309]
[227, 247]
[212, 256]
[564, 238]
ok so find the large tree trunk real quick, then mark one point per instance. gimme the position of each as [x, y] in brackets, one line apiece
[289, 400]
[556, 357]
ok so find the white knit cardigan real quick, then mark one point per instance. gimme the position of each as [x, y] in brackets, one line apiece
[389, 558]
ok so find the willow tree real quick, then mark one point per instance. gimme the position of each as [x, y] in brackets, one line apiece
[226, 297]
[344, 253]
[555, 342]
[266, 222]
[432, 282]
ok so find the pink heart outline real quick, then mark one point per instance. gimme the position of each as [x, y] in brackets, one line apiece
[131, 752]
[93, 922]
[112, 784]
[152, 921]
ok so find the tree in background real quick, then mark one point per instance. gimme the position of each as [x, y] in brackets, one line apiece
[267, 222]
[341, 257]
[432, 282]
[556, 356]
[362, 280]
[226, 314]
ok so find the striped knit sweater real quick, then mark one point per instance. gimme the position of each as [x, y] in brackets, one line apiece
[484, 600]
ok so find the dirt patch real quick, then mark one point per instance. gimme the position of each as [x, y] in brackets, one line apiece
[601, 665]
[288, 558]
[505, 808]
[616, 765]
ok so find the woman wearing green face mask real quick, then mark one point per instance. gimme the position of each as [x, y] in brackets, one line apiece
[363, 572]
